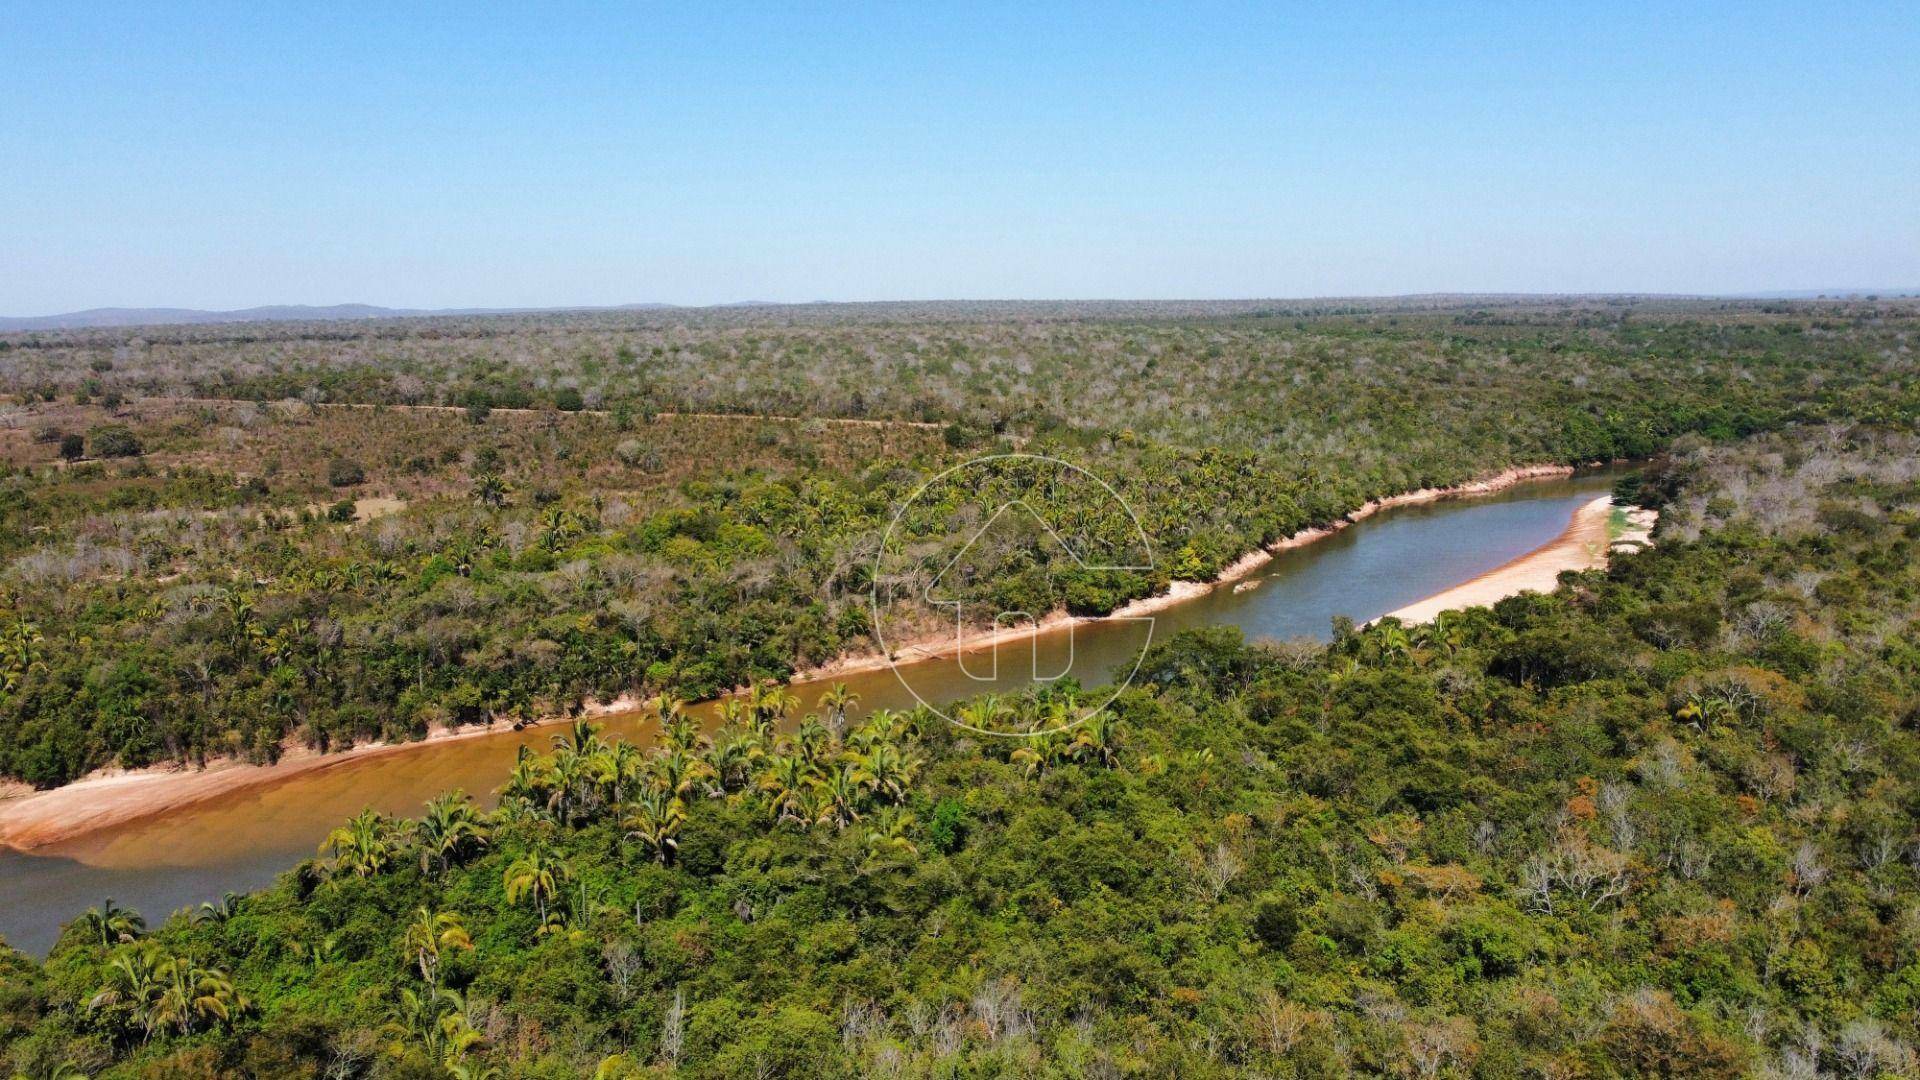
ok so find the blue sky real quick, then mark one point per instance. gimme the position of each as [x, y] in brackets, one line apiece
[225, 156]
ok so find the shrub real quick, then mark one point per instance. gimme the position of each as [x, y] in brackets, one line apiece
[948, 829]
[115, 440]
[342, 472]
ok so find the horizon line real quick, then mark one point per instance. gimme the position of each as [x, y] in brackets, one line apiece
[375, 311]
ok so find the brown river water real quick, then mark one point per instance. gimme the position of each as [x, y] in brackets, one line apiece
[242, 840]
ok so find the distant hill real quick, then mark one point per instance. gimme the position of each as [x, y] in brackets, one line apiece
[1830, 294]
[105, 318]
[111, 317]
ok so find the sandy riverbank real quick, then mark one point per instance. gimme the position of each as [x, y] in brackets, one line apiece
[108, 798]
[941, 647]
[1583, 545]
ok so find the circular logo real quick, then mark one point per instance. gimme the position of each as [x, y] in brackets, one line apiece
[975, 581]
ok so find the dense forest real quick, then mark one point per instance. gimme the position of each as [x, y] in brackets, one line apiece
[216, 540]
[1662, 822]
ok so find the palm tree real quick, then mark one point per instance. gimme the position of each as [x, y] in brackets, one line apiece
[601, 771]
[19, 653]
[219, 911]
[183, 987]
[655, 819]
[890, 833]
[438, 1025]
[239, 618]
[463, 550]
[529, 779]
[581, 739]
[772, 702]
[984, 713]
[887, 769]
[733, 712]
[361, 845]
[192, 993]
[427, 935]
[1038, 753]
[133, 983]
[837, 701]
[677, 771]
[561, 525]
[1340, 673]
[839, 795]
[626, 766]
[1392, 641]
[682, 732]
[787, 780]
[730, 759]
[813, 802]
[491, 490]
[115, 923]
[161, 991]
[880, 725]
[538, 875]
[451, 828]
[1057, 715]
[676, 728]
[567, 777]
[1093, 740]
[811, 740]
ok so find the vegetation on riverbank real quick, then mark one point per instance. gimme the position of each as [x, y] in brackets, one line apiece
[1659, 823]
[186, 581]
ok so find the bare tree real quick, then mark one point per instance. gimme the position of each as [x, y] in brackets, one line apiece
[1219, 869]
[622, 962]
[1578, 869]
[1809, 871]
[673, 1029]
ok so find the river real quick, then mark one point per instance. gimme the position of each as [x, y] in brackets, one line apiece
[242, 840]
